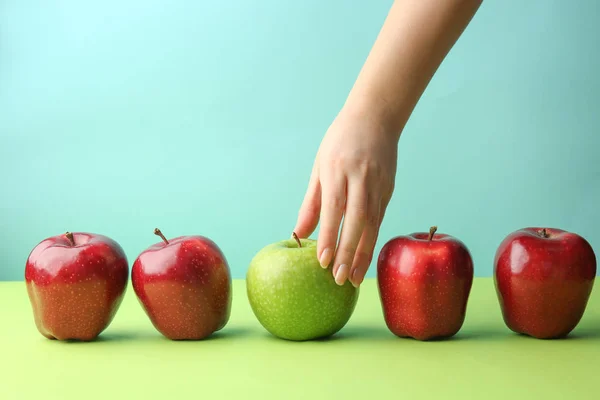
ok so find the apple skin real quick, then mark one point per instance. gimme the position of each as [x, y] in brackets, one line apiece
[543, 283]
[293, 297]
[184, 287]
[75, 289]
[424, 285]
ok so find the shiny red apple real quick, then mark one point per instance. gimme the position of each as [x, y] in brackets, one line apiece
[544, 278]
[424, 281]
[75, 283]
[184, 286]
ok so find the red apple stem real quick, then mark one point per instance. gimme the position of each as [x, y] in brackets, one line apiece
[159, 233]
[297, 239]
[432, 231]
[70, 238]
[544, 233]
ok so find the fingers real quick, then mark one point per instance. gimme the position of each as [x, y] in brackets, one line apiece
[333, 201]
[308, 216]
[383, 207]
[366, 246]
[329, 198]
[354, 222]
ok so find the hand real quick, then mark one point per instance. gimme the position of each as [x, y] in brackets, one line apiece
[354, 172]
[353, 177]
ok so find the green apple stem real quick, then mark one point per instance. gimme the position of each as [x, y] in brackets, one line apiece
[159, 233]
[70, 238]
[297, 239]
[432, 231]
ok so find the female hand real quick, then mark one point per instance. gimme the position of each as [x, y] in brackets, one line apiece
[354, 171]
[352, 178]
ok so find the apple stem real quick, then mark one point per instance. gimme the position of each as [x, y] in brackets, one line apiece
[70, 237]
[544, 233]
[297, 239]
[159, 233]
[432, 231]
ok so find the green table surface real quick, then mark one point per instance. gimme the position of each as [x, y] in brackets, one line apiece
[363, 361]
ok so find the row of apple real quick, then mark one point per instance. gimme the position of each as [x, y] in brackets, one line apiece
[76, 283]
[543, 279]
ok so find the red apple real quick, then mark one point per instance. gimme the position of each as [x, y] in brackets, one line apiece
[543, 278]
[184, 286]
[424, 283]
[75, 283]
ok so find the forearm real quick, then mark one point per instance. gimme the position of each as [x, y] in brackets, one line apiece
[414, 40]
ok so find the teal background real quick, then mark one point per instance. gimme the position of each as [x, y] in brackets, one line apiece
[204, 118]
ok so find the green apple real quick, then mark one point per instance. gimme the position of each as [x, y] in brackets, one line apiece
[292, 296]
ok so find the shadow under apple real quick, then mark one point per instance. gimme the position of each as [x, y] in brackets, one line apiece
[106, 337]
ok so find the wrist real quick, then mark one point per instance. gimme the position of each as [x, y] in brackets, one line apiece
[384, 118]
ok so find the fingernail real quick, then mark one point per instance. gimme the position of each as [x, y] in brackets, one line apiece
[354, 278]
[325, 258]
[341, 274]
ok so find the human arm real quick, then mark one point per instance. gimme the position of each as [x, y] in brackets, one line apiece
[353, 176]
